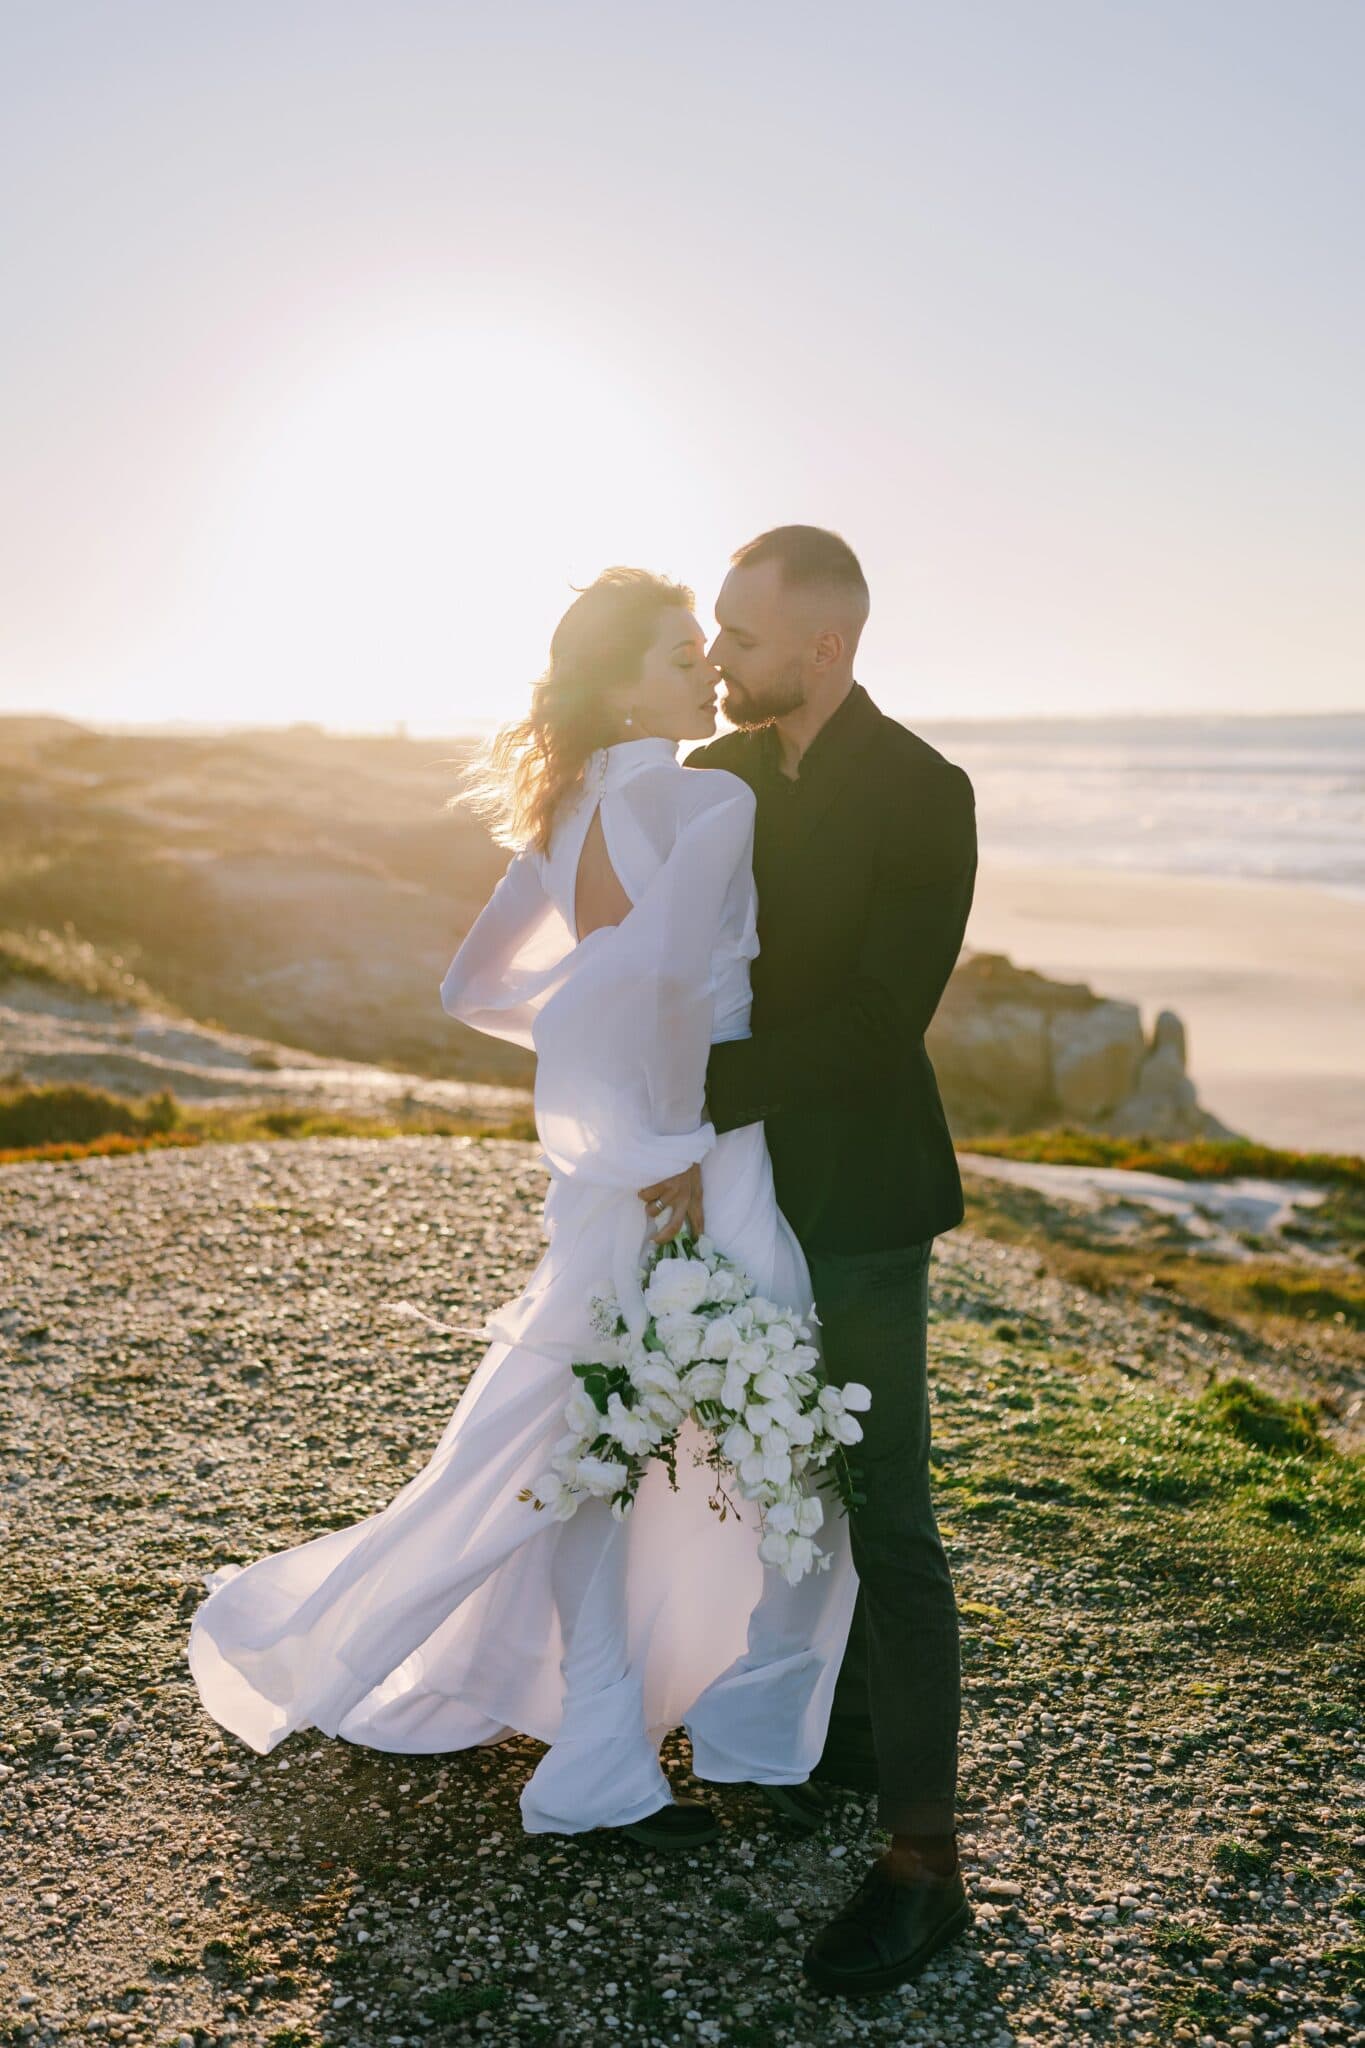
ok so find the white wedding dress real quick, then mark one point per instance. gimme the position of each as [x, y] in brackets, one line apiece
[460, 1613]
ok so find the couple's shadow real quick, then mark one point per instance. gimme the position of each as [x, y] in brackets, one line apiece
[404, 1890]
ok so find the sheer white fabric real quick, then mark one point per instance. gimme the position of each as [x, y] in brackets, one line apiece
[459, 1613]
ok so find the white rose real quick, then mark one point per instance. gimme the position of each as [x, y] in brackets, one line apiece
[599, 1476]
[656, 1371]
[704, 1381]
[662, 1407]
[722, 1335]
[683, 1337]
[677, 1285]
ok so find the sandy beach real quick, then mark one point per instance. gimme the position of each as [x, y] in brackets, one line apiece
[1269, 978]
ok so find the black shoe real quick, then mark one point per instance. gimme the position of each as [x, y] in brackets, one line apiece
[853, 1773]
[885, 1934]
[683, 1824]
[803, 1809]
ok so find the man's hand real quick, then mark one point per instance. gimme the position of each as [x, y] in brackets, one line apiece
[674, 1203]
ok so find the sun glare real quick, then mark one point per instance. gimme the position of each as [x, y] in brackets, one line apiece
[395, 533]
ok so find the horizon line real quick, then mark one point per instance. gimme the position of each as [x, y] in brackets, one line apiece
[400, 728]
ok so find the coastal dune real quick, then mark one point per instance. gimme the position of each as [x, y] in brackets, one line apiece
[1268, 977]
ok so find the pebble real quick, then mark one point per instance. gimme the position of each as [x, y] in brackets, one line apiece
[182, 1412]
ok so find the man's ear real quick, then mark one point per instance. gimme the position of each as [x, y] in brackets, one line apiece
[828, 649]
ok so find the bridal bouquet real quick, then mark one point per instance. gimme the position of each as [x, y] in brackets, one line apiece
[741, 1368]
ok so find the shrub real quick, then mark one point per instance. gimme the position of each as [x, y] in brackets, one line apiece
[76, 1116]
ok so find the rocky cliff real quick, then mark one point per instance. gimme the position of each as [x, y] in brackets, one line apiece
[297, 889]
[1014, 1051]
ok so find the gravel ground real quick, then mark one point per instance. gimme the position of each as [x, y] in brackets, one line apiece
[200, 1363]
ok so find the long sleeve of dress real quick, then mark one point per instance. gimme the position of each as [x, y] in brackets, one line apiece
[622, 1046]
[510, 961]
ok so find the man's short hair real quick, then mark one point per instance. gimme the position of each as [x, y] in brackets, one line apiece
[807, 555]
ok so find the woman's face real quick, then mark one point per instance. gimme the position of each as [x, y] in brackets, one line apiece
[675, 698]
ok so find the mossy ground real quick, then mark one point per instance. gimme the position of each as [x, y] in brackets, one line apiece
[1154, 1527]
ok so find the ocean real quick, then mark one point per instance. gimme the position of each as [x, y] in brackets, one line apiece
[1272, 799]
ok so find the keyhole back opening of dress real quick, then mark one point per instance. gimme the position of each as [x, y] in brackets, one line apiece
[598, 898]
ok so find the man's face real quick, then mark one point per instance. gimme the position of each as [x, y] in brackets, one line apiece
[761, 649]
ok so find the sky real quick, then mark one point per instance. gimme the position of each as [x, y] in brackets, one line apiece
[342, 340]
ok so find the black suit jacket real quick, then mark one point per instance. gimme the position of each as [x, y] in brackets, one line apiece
[865, 876]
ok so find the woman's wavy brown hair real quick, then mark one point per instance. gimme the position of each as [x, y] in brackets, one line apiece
[518, 781]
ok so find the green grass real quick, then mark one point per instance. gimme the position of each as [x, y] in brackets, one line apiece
[1269, 1297]
[1194, 1159]
[463, 2001]
[1234, 1507]
[76, 1116]
[1243, 1860]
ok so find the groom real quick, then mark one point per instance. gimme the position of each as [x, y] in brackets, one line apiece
[865, 858]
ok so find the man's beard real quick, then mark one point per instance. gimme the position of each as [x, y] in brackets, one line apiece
[751, 708]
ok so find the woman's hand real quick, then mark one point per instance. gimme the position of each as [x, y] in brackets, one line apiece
[673, 1204]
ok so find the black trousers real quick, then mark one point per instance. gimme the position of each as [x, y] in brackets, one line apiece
[897, 1703]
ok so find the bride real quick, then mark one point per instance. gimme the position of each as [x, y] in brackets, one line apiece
[617, 945]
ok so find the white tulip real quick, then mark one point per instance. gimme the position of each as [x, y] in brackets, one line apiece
[810, 1516]
[751, 1468]
[737, 1444]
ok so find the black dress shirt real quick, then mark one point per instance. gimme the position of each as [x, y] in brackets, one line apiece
[865, 863]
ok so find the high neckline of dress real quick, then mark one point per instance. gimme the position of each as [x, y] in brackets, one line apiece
[618, 763]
